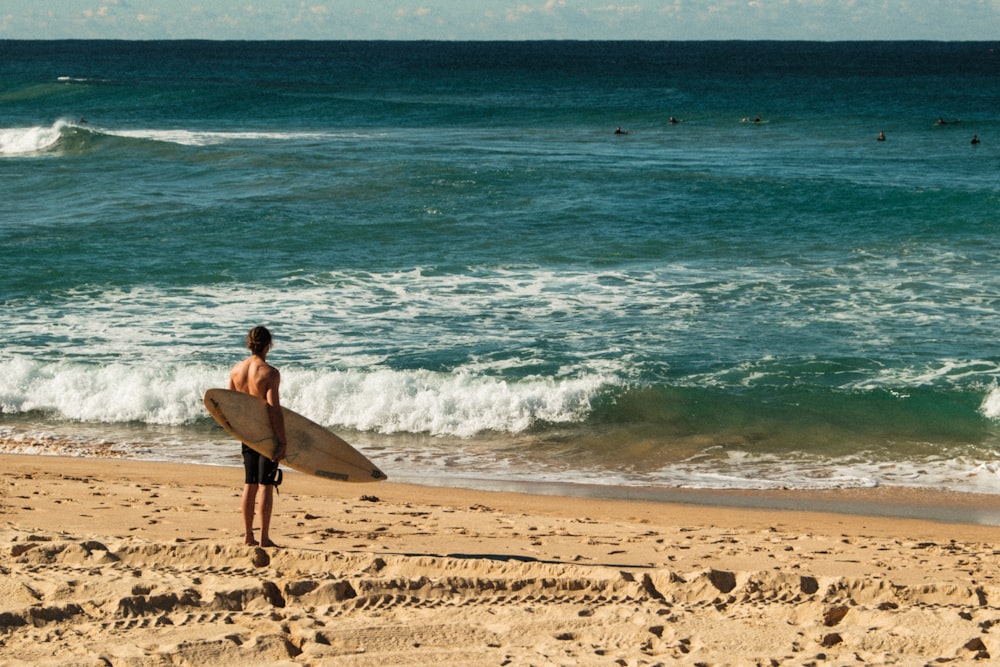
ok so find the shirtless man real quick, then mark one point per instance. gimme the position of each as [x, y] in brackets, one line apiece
[256, 377]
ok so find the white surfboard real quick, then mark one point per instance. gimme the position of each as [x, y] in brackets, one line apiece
[311, 448]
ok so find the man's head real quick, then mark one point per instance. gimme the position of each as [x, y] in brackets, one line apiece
[259, 341]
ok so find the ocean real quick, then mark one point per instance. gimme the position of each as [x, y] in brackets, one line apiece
[471, 277]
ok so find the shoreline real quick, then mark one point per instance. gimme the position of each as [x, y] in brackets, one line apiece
[883, 511]
[121, 562]
[899, 502]
[902, 502]
[933, 492]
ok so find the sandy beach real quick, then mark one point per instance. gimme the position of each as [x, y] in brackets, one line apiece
[109, 562]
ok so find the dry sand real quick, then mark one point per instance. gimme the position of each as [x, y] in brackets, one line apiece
[124, 563]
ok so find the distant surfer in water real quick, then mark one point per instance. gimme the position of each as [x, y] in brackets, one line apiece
[975, 140]
[881, 135]
[619, 130]
[256, 377]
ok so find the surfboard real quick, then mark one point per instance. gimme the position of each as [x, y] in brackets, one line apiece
[311, 449]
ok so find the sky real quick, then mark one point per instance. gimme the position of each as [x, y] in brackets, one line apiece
[501, 19]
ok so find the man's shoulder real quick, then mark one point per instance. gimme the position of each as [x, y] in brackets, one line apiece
[239, 370]
[266, 371]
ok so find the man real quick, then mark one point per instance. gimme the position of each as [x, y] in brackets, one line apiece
[256, 377]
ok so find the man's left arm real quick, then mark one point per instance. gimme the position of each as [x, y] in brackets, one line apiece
[277, 417]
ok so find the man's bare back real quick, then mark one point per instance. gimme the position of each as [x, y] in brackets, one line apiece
[256, 377]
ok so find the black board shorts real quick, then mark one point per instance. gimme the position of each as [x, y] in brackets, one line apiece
[258, 469]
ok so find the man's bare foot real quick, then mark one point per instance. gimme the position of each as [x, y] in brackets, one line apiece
[268, 543]
[250, 542]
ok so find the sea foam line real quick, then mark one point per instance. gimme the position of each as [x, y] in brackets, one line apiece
[383, 401]
[454, 404]
[209, 138]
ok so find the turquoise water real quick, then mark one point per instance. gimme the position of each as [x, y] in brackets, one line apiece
[469, 274]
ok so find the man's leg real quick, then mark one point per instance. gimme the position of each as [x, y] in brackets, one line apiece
[266, 503]
[247, 506]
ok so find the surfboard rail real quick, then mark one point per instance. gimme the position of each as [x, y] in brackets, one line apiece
[311, 449]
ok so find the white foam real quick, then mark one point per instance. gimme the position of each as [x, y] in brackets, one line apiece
[25, 141]
[732, 470]
[22, 141]
[359, 311]
[457, 404]
[209, 138]
[382, 401]
[958, 372]
[368, 322]
[110, 393]
[990, 407]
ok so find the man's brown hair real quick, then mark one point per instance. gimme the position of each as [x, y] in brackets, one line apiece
[259, 341]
